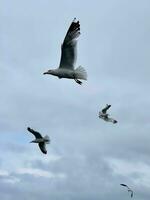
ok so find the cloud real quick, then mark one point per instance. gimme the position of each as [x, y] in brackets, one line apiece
[6, 177]
[138, 172]
[87, 158]
[40, 173]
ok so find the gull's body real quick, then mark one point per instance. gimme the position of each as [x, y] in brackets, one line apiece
[129, 189]
[105, 116]
[42, 141]
[66, 67]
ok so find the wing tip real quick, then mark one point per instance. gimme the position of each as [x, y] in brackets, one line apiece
[108, 105]
[122, 184]
[44, 151]
[115, 121]
[75, 20]
[28, 128]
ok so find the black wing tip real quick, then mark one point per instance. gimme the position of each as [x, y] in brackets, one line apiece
[123, 184]
[115, 122]
[45, 152]
[108, 105]
[28, 128]
[74, 27]
[75, 22]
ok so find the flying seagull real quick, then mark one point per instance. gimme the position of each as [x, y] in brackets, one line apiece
[105, 116]
[66, 67]
[129, 190]
[42, 141]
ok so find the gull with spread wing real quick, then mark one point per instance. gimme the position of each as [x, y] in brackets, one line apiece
[66, 67]
[42, 141]
[129, 189]
[105, 116]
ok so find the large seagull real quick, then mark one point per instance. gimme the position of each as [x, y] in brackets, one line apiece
[66, 67]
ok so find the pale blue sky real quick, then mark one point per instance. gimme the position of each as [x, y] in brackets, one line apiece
[87, 158]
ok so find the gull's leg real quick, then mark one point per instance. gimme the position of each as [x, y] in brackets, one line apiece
[77, 81]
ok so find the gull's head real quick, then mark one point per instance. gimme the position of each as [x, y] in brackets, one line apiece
[50, 71]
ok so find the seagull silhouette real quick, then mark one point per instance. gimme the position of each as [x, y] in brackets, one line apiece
[42, 141]
[105, 116]
[129, 189]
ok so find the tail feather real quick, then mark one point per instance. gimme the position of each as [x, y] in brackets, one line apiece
[81, 73]
[46, 137]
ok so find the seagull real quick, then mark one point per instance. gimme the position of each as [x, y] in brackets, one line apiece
[42, 141]
[66, 67]
[129, 190]
[103, 115]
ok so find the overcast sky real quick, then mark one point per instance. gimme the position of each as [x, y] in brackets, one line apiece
[87, 158]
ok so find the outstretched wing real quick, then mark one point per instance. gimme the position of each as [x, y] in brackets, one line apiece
[35, 133]
[104, 110]
[114, 122]
[43, 147]
[129, 190]
[68, 48]
[131, 193]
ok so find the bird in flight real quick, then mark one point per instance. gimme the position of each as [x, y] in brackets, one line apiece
[129, 189]
[42, 141]
[66, 67]
[105, 116]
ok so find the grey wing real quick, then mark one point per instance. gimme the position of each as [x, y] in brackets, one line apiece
[114, 122]
[35, 133]
[104, 110]
[131, 193]
[42, 146]
[123, 185]
[69, 46]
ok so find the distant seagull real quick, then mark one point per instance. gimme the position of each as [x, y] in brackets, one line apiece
[68, 56]
[103, 115]
[42, 141]
[129, 190]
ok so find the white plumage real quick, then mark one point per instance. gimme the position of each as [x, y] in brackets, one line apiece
[68, 56]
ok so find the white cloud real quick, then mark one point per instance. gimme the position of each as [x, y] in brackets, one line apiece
[40, 173]
[12, 180]
[7, 177]
[128, 169]
[4, 173]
